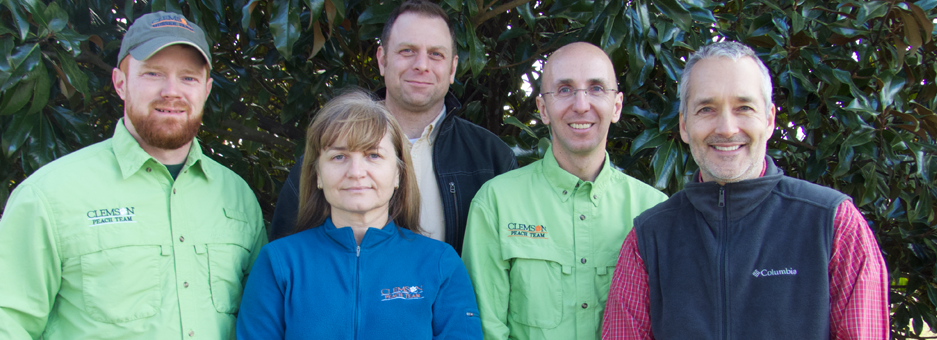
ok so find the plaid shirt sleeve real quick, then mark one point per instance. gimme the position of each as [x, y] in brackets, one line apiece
[627, 312]
[858, 279]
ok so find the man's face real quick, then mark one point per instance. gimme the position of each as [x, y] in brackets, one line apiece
[579, 124]
[164, 95]
[727, 122]
[417, 62]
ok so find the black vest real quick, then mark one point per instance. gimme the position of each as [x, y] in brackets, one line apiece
[748, 260]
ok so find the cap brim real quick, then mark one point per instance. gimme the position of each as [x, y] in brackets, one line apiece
[146, 50]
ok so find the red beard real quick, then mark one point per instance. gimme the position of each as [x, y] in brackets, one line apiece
[165, 132]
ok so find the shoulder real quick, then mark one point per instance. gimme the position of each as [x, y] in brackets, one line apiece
[424, 244]
[519, 180]
[810, 193]
[96, 159]
[461, 129]
[676, 205]
[632, 187]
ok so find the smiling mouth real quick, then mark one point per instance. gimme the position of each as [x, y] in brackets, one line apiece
[171, 111]
[727, 148]
[579, 126]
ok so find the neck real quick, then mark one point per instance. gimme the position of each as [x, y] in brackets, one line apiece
[360, 222]
[413, 122]
[586, 167]
[163, 156]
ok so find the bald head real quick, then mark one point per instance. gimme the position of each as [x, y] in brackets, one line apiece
[573, 57]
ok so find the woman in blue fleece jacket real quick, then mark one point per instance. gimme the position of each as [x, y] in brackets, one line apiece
[357, 267]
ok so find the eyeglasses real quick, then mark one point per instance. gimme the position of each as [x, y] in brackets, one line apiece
[594, 91]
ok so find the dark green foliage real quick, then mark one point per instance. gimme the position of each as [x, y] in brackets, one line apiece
[854, 83]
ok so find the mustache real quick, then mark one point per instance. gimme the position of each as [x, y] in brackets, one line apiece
[737, 138]
[171, 104]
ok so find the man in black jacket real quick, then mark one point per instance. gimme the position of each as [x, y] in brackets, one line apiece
[452, 157]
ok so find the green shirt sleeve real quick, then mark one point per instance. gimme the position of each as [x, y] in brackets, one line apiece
[31, 265]
[481, 253]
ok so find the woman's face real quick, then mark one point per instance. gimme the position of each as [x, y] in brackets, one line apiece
[358, 182]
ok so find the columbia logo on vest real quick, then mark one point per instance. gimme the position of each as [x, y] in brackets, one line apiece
[772, 272]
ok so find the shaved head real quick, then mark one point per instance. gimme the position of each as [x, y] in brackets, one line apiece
[574, 53]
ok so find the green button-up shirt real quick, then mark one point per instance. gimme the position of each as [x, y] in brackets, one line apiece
[104, 244]
[541, 246]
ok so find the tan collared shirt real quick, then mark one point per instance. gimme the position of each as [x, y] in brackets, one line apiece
[432, 219]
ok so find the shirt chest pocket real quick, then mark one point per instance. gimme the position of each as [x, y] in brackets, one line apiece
[121, 284]
[537, 277]
[228, 255]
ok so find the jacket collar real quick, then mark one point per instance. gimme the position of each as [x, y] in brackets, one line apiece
[345, 237]
[131, 157]
[565, 183]
[741, 198]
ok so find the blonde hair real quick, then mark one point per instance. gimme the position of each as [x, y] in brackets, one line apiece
[356, 118]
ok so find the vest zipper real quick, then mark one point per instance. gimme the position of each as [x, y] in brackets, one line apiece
[725, 263]
[357, 284]
[455, 202]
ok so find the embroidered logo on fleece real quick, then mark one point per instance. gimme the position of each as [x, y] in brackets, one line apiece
[527, 230]
[172, 21]
[110, 216]
[772, 272]
[402, 293]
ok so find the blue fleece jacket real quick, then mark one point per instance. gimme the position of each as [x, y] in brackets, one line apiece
[320, 284]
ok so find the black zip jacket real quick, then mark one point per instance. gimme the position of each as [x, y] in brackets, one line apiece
[465, 156]
[747, 260]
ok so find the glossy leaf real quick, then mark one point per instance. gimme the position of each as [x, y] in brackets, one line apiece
[285, 26]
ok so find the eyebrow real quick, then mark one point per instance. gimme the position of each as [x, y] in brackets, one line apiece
[707, 101]
[430, 48]
[186, 71]
[593, 81]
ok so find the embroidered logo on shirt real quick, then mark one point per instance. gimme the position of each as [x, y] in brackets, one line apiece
[527, 230]
[402, 293]
[772, 272]
[110, 216]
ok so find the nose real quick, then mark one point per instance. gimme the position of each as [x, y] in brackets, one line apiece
[356, 167]
[422, 62]
[581, 102]
[727, 124]
[171, 88]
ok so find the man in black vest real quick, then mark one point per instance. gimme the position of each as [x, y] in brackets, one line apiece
[452, 157]
[744, 252]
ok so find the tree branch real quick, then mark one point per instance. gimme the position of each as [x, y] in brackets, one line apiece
[484, 16]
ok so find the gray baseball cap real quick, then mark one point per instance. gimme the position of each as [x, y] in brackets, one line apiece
[152, 32]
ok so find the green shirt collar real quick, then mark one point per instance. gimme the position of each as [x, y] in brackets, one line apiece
[132, 158]
[565, 183]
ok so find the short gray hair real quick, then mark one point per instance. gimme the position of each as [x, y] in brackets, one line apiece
[726, 49]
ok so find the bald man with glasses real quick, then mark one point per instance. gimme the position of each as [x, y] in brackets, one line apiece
[542, 241]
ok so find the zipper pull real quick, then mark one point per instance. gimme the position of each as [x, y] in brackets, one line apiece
[452, 187]
[722, 196]
[359, 251]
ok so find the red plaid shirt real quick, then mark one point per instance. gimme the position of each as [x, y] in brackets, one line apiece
[858, 286]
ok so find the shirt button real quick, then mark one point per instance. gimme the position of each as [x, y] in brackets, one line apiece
[582, 217]
[185, 284]
[595, 197]
[181, 238]
[173, 191]
[191, 333]
[585, 305]
[149, 170]
[583, 260]
[564, 192]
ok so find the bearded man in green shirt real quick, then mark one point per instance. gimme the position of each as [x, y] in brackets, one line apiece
[542, 241]
[141, 235]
